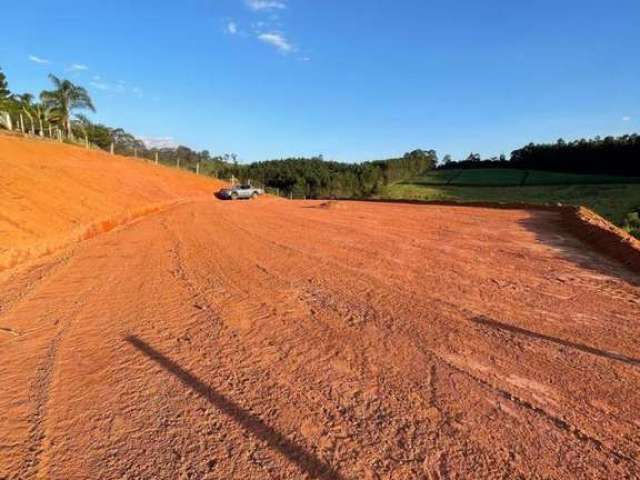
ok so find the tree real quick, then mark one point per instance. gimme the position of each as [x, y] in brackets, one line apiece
[83, 124]
[42, 114]
[26, 106]
[6, 102]
[4, 87]
[447, 159]
[64, 99]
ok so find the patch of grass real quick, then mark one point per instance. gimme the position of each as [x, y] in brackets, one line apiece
[437, 177]
[513, 177]
[632, 223]
[613, 202]
[494, 176]
[555, 178]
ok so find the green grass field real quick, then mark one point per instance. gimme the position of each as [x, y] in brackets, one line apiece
[513, 177]
[613, 201]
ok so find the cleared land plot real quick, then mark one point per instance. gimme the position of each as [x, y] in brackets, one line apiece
[274, 339]
[277, 339]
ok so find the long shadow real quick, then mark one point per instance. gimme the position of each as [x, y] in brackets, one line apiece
[308, 463]
[578, 346]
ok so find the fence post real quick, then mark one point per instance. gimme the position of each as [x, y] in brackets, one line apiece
[7, 120]
[50, 132]
[111, 148]
[198, 168]
[59, 135]
[156, 155]
[21, 123]
[135, 152]
[177, 162]
[86, 142]
[291, 195]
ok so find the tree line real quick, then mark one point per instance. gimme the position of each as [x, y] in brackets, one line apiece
[602, 156]
[316, 177]
[58, 114]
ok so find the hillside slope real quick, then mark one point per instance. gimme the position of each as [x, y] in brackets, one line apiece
[52, 194]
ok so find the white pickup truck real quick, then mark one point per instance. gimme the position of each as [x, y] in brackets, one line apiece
[240, 191]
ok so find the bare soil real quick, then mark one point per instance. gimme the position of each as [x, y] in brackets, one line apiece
[285, 339]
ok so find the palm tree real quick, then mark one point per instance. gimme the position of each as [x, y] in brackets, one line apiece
[26, 106]
[42, 114]
[64, 99]
[84, 125]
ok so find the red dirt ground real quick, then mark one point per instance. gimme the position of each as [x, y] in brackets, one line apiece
[52, 194]
[277, 339]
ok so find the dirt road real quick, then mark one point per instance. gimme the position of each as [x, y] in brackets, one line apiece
[277, 339]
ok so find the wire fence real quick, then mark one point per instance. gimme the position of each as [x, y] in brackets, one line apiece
[49, 132]
[18, 124]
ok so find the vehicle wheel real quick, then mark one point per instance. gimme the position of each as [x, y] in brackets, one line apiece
[254, 195]
[234, 196]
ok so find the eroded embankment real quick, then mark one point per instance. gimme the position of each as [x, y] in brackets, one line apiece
[602, 235]
[52, 195]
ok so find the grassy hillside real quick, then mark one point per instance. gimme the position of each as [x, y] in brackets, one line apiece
[514, 177]
[613, 201]
[54, 193]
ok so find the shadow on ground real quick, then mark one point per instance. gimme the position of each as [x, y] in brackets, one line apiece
[307, 462]
[549, 230]
[488, 322]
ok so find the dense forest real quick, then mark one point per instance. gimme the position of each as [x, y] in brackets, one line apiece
[608, 156]
[315, 177]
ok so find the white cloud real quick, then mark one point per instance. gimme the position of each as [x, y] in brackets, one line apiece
[100, 85]
[119, 87]
[159, 142]
[304, 59]
[77, 67]
[626, 118]
[277, 40]
[35, 59]
[262, 5]
[232, 28]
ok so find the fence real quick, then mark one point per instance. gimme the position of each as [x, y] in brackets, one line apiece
[46, 131]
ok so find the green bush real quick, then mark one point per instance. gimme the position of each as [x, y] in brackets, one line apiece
[632, 223]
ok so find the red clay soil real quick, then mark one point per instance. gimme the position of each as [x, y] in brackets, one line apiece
[278, 339]
[581, 222]
[52, 194]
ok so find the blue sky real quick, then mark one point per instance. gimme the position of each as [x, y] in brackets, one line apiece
[352, 80]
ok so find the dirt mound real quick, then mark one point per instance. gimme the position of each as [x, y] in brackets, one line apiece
[603, 236]
[330, 205]
[53, 194]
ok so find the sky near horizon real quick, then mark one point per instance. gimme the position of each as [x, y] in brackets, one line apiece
[353, 80]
